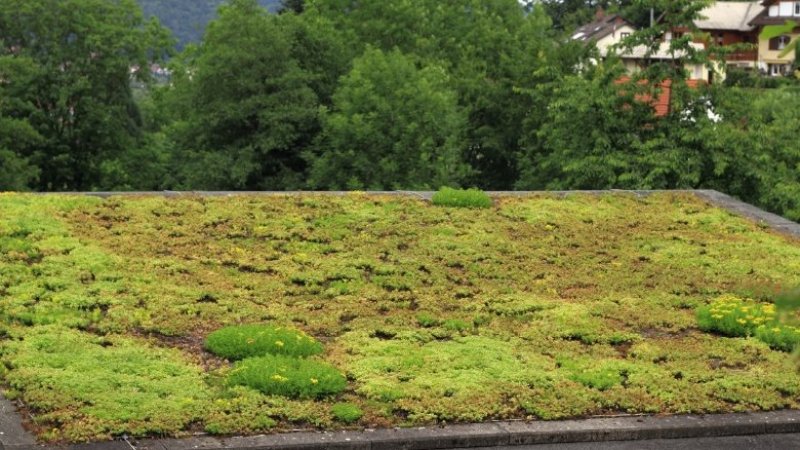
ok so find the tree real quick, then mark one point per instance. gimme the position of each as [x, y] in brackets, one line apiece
[83, 53]
[393, 126]
[247, 107]
[490, 48]
[296, 6]
[18, 139]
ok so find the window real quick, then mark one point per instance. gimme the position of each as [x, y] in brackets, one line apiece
[776, 69]
[720, 38]
[624, 35]
[698, 72]
[797, 8]
[779, 43]
[773, 11]
[786, 9]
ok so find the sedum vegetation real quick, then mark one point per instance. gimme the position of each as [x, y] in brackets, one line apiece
[543, 307]
[288, 377]
[733, 316]
[461, 198]
[244, 341]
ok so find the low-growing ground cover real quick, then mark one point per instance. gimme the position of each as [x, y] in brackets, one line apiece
[537, 307]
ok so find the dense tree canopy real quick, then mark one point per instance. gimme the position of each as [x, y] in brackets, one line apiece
[249, 105]
[76, 92]
[393, 126]
[376, 94]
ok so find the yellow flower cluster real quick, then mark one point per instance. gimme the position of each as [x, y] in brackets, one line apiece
[744, 313]
[279, 378]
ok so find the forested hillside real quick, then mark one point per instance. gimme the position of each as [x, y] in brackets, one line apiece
[188, 18]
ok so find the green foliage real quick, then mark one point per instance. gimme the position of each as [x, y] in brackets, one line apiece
[78, 103]
[392, 126]
[287, 376]
[650, 40]
[241, 410]
[244, 341]
[489, 48]
[751, 79]
[456, 325]
[18, 138]
[779, 336]
[346, 412]
[788, 300]
[462, 198]
[733, 316]
[243, 129]
[427, 320]
[758, 159]
[102, 386]
[593, 374]
[141, 280]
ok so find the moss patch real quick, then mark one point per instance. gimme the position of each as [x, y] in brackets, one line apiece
[544, 306]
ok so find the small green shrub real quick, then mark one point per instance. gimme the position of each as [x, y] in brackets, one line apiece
[481, 320]
[287, 376]
[733, 316]
[427, 320]
[456, 325]
[461, 198]
[779, 337]
[601, 377]
[346, 412]
[244, 341]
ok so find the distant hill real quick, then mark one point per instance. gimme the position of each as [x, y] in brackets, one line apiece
[188, 18]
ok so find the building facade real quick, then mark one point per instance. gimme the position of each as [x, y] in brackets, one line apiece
[770, 58]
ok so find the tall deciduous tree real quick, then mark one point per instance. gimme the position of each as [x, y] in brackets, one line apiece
[393, 126]
[18, 139]
[85, 53]
[489, 47]
[248, 105]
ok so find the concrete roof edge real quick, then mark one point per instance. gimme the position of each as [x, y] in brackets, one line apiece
[478, 435]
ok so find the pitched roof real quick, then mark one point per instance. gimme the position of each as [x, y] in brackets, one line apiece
[763, 17]
[663, 103]
[600, 28]
[729, 16]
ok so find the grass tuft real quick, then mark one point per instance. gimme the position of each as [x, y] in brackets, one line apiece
[289, 377]
[245, 341]
[461, 198]
[346, 412]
